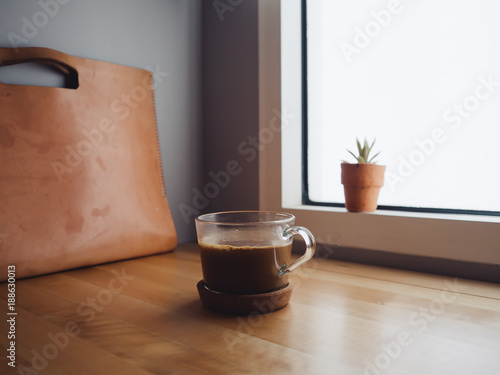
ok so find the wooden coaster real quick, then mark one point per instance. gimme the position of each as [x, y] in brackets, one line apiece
[244, 304]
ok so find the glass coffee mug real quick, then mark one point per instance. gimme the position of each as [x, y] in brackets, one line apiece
[249, 252]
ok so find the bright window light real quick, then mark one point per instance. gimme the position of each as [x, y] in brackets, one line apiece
[423, 78]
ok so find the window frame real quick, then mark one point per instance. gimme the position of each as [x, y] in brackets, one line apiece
[469, 238]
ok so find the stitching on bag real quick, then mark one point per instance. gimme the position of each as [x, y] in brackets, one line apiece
[151, 88]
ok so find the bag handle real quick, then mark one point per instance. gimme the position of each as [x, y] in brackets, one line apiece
[66, 63]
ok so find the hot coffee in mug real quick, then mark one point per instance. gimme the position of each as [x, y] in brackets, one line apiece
[249, 252]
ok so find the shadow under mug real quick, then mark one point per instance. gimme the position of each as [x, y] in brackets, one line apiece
[249, 252]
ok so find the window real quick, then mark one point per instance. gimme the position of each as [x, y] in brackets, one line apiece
[423, 78]
[470, 238]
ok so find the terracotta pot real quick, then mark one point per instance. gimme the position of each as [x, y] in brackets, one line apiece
[362, 183]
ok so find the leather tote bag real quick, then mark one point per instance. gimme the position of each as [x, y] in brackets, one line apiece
[80, 169]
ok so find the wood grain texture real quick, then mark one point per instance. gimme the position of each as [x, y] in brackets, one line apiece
[144, 316]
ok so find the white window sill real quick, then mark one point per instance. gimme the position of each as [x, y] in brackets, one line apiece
[421, 215]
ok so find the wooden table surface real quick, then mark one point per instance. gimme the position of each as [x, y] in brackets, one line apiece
[144, 316]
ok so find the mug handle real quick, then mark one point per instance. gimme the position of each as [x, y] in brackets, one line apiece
[310, 248]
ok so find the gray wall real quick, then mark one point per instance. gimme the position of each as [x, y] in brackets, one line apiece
[230, 100]
[136, 33]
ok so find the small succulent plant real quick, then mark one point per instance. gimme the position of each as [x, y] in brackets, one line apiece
[364, 152]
